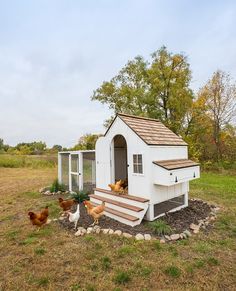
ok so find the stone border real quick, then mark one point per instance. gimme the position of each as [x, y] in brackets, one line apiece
[194, 229]
[46, 191]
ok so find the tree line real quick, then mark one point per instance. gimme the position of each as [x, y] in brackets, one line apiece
[85, 142]
[161, 88]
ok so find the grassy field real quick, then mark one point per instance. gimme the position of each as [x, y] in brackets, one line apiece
[54, 259]
[24, 161]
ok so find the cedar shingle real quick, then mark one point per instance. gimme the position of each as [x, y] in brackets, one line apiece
[175, 164]
[152, 131]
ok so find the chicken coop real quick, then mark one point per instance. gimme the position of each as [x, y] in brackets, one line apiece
[76, 170]
[148, 156]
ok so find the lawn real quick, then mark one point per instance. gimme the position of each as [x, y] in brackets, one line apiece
[54, 259]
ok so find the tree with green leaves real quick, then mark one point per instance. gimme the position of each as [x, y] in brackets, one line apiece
[159, 89]
[86, 142]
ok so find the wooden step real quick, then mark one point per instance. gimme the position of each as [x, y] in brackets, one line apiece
[130, 197]
[118, 213]
[117, 203]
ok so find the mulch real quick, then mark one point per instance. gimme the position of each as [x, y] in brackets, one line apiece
[179, 220]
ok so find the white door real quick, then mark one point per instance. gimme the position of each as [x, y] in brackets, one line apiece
[75, 172]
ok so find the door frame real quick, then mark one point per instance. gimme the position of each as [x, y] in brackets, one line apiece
[112, 159]
[79, 172]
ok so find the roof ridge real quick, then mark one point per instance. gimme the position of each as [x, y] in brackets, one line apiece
[138, 117]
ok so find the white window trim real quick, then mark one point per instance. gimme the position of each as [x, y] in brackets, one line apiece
[138, 174]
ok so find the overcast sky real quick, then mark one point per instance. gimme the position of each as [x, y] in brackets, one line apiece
[53, 54]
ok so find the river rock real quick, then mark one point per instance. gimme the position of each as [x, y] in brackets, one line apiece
[147, 236]
[167, 237]
[118, 232]
[175, 236]
[111, 231]
[139, 236]
[187, 232]
[127, 235]
[105, 230]
[89, 230]
[193, 226]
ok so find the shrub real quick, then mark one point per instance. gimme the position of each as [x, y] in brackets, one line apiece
[56, 186]
[160, 227]
[80, 196]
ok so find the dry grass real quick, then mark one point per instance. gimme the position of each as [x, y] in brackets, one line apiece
[54, 259]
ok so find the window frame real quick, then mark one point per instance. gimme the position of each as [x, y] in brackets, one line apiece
[137, 164]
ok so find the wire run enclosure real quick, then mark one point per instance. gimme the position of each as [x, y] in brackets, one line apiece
[77, 170]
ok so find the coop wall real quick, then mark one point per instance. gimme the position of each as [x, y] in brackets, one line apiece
[139, 184]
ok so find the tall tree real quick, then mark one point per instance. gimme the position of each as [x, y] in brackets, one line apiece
[127, 91]
[171, 97]
[159, 89]
[220, 98]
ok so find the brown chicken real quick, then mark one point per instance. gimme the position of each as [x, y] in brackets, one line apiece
[95, 211]
[66, 204]
[39, 219]
[116, 187]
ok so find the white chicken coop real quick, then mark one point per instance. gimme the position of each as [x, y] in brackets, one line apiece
[150, 157]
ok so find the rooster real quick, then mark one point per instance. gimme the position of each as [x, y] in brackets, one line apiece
[95, 211]
[74, 217]
[39, 219]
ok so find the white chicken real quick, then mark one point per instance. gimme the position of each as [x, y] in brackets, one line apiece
[74, 217]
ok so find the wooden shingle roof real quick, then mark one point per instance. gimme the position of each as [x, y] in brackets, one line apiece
[175, 164]
[152, 131]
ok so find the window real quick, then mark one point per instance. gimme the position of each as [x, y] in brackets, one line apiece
[138, 164]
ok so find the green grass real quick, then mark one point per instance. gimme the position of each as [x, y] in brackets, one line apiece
[106, 263]
[42, 282]
[122, 277]
[173, 271]
[126, 250]
[28, 241]
[217, 188]
[103, 262]
[40, 251]
[23, 161]
[32, 195]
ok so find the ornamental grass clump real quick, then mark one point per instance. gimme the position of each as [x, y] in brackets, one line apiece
[160, 227]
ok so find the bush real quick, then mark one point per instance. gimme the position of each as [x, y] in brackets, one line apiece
[160, 227]
[80, 196]
[56, 186]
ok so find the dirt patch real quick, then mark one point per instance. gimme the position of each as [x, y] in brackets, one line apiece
[179, 220]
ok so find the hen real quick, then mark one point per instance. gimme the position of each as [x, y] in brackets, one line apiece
[39, 219]
[116, 187]
[95, 211]
[66, 204]
[74, 217]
